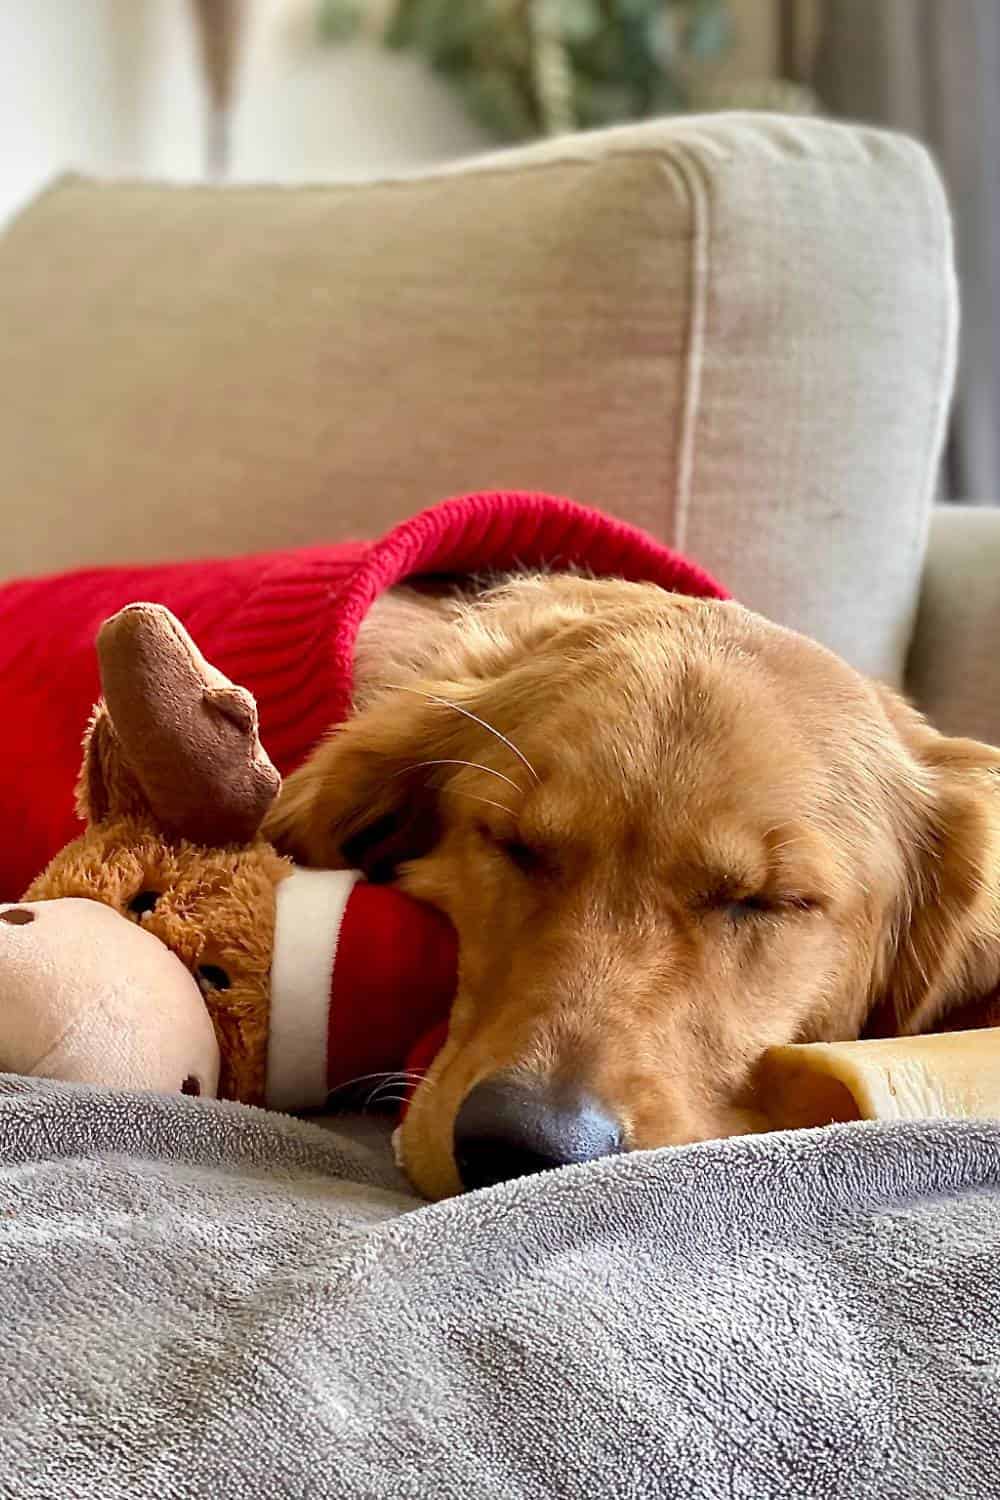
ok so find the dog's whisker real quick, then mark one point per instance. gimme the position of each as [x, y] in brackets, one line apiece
[468, 714]
[407, 1080]
[415, 1083]
[387, 1075]
[473, 765]
[377, 1099]
[371, 1099]
[395, 1083]
[401, 1077]
[457, 792]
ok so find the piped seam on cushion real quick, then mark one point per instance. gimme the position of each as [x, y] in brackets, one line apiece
[692, 176]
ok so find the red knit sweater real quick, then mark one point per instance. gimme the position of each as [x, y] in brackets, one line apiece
[283, 624]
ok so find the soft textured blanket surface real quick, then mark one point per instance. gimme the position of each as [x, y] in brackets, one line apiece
[203, 1300]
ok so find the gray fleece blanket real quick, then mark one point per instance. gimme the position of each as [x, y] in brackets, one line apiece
[204, 1300]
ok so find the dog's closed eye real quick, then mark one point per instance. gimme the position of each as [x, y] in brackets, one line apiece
[743, 900]
[748, 908]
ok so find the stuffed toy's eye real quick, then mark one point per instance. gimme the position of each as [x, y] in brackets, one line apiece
[143, 903]
[211, 977]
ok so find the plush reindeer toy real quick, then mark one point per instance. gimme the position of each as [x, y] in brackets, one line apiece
[311, 978]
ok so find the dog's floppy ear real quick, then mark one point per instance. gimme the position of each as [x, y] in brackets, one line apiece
[368, 798]
[944, 949]
[107, 787]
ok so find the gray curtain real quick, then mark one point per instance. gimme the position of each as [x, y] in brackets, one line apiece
[933, 69]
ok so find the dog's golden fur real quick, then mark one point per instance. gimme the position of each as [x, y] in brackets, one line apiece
[668, 833]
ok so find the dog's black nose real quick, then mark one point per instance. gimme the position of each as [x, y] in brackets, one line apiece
[508, 1128]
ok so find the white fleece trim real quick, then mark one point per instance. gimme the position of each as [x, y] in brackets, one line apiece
[309, 911]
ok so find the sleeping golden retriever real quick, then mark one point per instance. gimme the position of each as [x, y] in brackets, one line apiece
[669, 834]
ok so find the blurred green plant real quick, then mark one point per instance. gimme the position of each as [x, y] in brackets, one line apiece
[539, 67]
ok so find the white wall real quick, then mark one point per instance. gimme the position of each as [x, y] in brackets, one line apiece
[61, 91]
[111, 86]
[302, 110]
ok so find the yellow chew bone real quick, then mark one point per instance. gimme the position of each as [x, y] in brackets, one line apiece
[954, 1073]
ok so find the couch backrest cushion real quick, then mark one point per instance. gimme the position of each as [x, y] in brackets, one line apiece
[735, 331]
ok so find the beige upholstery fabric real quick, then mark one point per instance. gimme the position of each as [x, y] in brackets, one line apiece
[736, 331]
[953, 673]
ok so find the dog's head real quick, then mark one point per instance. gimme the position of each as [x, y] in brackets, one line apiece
[669, 835]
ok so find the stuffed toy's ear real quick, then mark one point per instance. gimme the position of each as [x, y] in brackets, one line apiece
[177, 732]
[107, 788]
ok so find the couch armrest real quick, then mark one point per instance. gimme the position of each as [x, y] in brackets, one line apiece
[954, 666]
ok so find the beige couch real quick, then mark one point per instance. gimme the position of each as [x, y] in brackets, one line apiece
[737, 331]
